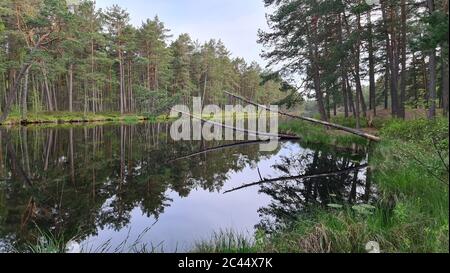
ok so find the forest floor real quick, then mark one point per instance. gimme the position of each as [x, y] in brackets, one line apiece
[409, 167]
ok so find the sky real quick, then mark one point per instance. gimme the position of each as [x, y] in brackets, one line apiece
[235, 22]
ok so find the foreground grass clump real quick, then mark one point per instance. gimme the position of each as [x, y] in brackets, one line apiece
[226, 242]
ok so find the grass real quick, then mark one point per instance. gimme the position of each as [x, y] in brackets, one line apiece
[227, 241]
[316, 134]
[76, 117]
[80, 117]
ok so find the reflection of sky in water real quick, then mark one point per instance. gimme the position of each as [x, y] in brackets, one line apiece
[202, 213]
[106, 177]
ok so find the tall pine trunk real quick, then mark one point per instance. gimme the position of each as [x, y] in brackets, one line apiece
[71, 88]
[391, 48]
[401, 112]
[372, 87]
[445, 83]
[431, 73]
[25, 95]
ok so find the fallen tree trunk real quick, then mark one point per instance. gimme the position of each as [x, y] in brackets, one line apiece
[287, 178]
[217, 148]
[256, 133]
[325, 123]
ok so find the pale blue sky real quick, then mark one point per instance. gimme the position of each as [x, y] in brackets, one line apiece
[235, 22]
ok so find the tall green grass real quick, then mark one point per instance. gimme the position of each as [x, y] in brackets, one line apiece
[226, 241]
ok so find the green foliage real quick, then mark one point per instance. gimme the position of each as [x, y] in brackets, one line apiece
[317, 134]
[110, 65]
[225, 242]
[419, 131]
[68, 117]
[47, 242]
[436, 31]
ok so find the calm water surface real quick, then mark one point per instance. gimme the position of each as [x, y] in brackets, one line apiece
[118, 184]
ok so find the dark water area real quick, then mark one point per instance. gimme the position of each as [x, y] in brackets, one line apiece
[119, 184]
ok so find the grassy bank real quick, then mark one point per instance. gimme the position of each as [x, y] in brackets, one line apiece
[79, 117]
[76, 117]
[410, 169]
[314, 134]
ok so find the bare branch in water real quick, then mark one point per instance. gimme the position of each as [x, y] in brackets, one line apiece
[287, 178]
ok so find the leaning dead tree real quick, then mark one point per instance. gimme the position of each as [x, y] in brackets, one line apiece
[328, 124]
[243, 130]
[299, 177]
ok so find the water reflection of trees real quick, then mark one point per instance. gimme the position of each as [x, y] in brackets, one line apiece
[71, 181]
[295, 196]
[81, 178]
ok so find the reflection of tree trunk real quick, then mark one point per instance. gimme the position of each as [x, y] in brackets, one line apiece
[289, 178]
[122, 153]
[157, 134]
[55, 142]
[215, 149]
[352, 194]
[130, 153]
[72, 167]
[2, 170]
[25, 149]
[17, 166]
[367, 191]
[48, 149]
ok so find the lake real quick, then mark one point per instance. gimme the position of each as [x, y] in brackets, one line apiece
[113, 185]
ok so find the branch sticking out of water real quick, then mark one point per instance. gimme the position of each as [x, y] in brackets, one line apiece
[287, 178]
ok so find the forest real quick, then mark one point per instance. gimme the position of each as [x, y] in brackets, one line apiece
[57, 57]
[350, 56]
[358, 56]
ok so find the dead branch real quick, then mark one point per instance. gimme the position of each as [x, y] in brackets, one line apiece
[299, 177]
[328, 124]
